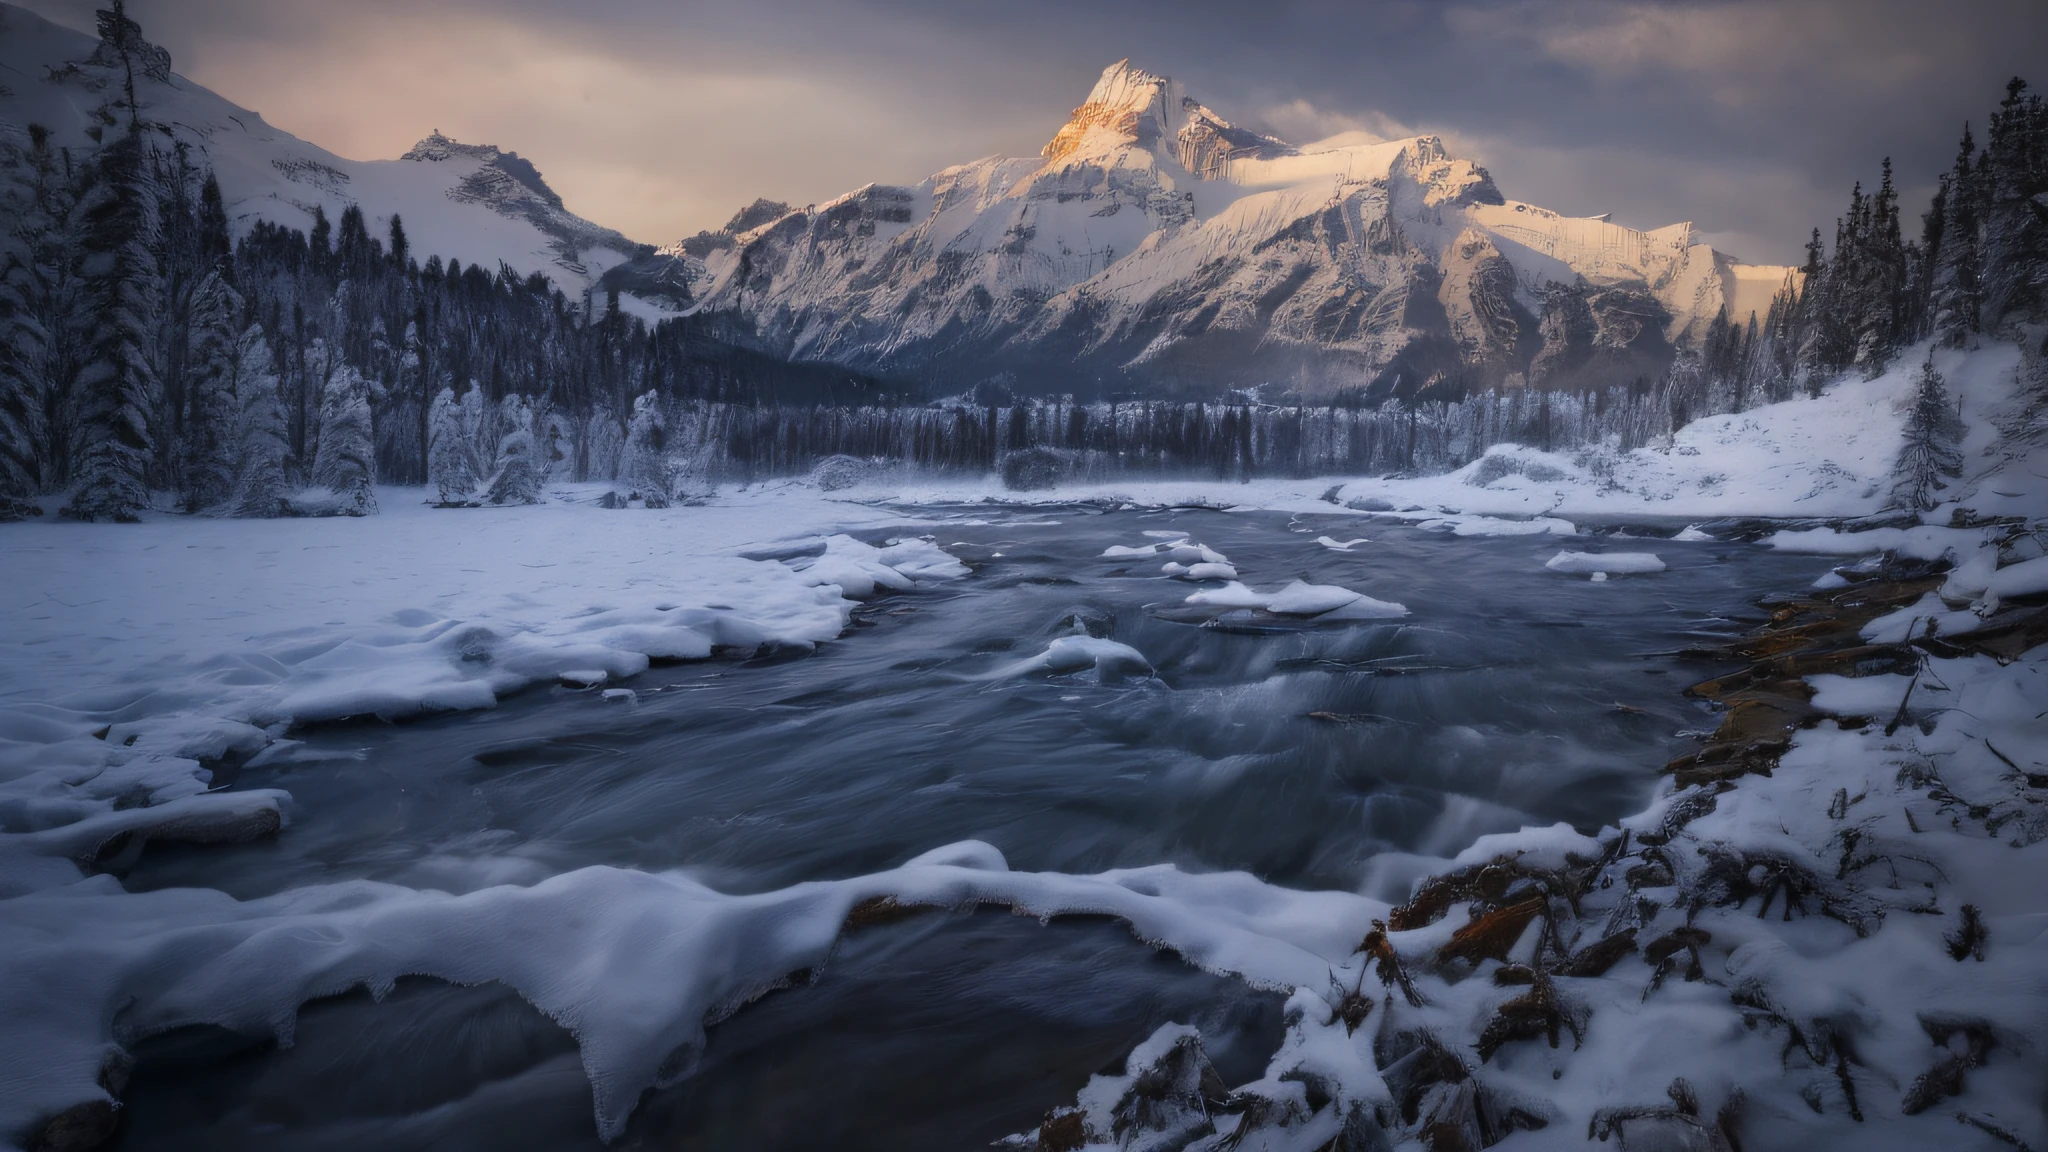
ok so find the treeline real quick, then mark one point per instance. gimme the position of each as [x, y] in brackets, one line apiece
[1037, 442]
[146, 359]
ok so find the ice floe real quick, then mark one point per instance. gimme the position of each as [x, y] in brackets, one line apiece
[1602, 564]
[1300, 598]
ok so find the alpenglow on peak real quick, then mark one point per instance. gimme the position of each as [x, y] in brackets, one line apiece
[1154, 246]
[1130, 106]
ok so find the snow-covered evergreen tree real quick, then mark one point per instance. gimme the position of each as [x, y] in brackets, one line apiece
[345, 463]
[24, 339]
[260, 436]
[41, 317]
[1876, 279]
[520, 471]
[1954, 288]
[644, 465]
[2013, 187]
[118, 379]
[451, 447]
[1929, 453]
[208, 444]
[554, 436]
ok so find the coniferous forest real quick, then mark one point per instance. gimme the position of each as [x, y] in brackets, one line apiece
[152, 359]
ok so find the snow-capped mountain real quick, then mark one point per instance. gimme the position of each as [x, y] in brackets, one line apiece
[1153, 245]
[471, 202]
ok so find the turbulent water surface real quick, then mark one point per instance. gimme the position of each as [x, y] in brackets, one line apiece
[1313, 756]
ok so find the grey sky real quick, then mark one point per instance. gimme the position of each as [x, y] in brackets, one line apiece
[660, 117]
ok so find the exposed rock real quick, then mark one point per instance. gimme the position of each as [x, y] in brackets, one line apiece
[511, 186]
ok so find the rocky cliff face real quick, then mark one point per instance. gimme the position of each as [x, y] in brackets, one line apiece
[1155, 247]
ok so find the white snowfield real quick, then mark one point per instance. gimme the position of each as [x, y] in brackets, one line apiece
[127, 651]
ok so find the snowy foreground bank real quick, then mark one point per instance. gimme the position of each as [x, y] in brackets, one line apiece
[1824, 932]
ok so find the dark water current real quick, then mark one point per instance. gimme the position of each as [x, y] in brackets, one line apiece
[1511, 695]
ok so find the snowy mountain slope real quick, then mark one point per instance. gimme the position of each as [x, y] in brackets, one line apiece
[1153, 243]
[474, 203]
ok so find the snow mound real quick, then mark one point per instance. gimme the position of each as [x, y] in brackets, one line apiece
[860, 571]
[1179, 550]
[1470, 524]
[1605, 563]
[1514, 466]
[1108, 659]
[1185, 559]
[1341, 545]
[2027, 578]
[837, 473]
[1300, 598]
[1205, 571]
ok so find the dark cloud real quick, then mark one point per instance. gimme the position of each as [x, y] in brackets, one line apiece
[1749, 118]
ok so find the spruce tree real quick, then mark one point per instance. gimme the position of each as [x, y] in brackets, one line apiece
[319, 242]
[2014, 195]
[182, 269]
[645, 463]
[216, 248]
[1929, 453]
[345, 463]
[125, 292]
[520, 472]
[1879, 280]
[1954, 293]
[37, 322]
[1829, 304]
[451, 448]
[208, 445]
[260, 434]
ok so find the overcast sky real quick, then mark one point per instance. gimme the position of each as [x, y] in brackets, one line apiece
[660, 117]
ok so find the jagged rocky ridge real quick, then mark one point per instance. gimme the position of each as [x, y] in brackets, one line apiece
[511, 186]
[1154, 246]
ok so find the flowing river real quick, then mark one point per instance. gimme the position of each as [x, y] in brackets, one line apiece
[1349, 755]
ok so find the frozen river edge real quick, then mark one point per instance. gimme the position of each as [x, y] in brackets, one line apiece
[1900, 1005]
[1441, 1018]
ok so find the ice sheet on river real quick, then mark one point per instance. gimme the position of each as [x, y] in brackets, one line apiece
[108, 699]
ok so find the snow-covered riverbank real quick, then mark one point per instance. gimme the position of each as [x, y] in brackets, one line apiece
[132, 652]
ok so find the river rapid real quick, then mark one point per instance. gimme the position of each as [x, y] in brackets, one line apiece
[1354, 755]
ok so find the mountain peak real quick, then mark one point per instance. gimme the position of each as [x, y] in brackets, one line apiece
[1127, 87]
[1130, 107]
[437, 148]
